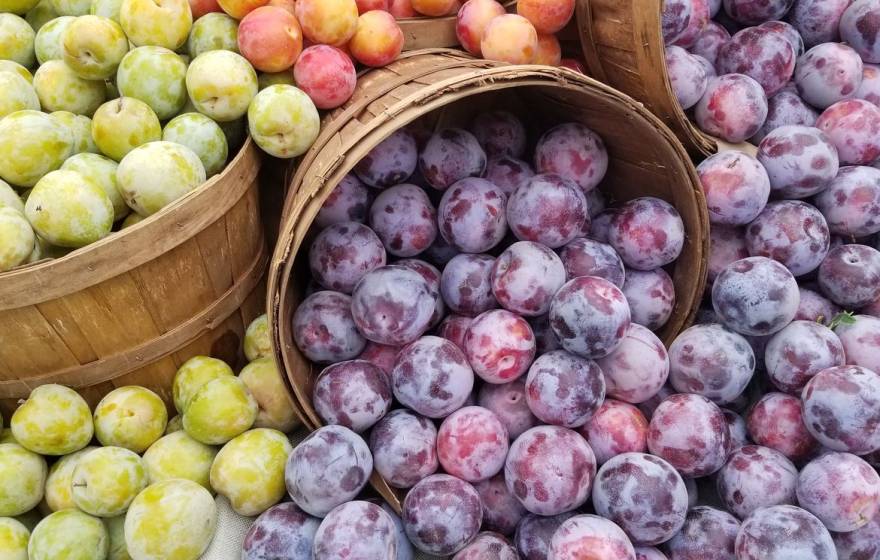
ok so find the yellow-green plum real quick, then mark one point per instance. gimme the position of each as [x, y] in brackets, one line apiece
[257, 341]
[219, 411]
[60, 89]
[19, 8]
[178, 455]
[41, 14]
[116, 533]
[249, 470]
[22, 476]
[69, 534]
[16, 40]
[81, 128]
[17, 238]
[106, 480]
[132, 417]
[283, 121]
[93, 47]
[203, 136]
[69, 210]
[121, 125]
[31, 144]
[176, 423]
[16, 68]
[18, 94]
[192, 375]
[8, 197]
[265, 383]
[283, 78]
[156, 174]
[221, 84]
[130, 220]
[156, 76]
[100, 170]
[47, 43]
[170, 520]
[162, 23]
[59, 483]
[106, 8]
[54, 420]
[212, 32]
[71, 7]
[14, 538]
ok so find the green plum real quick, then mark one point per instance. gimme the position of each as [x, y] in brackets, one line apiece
[156, 174]
[22, 477]
[69, 210]
[121, 125]
[203, 136]
[69, 534]
[54, 420]
[156, 76]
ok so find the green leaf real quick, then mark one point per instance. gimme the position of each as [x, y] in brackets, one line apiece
[843, 318]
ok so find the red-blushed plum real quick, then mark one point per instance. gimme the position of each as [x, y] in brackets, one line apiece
[453, 329]
[760, 53]
[328, 22]
[588, 257]
[828, 73]
[851, 203]
[381, 356]
[850, 275]
[358, 531]
[853, 126]
[674, 18]
[488, 546]
[756, 477]
[800, 161]
[502, 512]
[698, 21]
[790, 33]
[637, 369]
[510, 38]
[472, 19]
[858, 27]
[367, 5]
[805, 538]
[434, 8]
[798, 352]
[739, 435]
[324, 329]
[547, 209]
[549, 51]
[601, 225]
[432, 276]
[330, 467]
[727, 244]
[441, 514]
[707, 534]
[355, 394]
[650, 295]
[499, 346]
[817, 20]
[792, 233]
[563, 389]
[326, 74]
[842, 490]
[471, 215]
[842, 409]
[550, 470]
[590, 316]
[391, 162]
[784, 109]
[756, 296]
[508, 402]
[733, 108]
[548, 16]
[392, 305]
[590, 536]
[649, 553]
[283, 530]
[377, 40]
[687, 76]
[270, 38]
[712, 361]
[861, 544]
[861, 341]
[466, 284]
[647, 233]
[573, 151]
[401, 9]
[690, 433]
[777, 421]
[816, 307]
[616, 428]
[202, 7]
[472, 444]
[432, 377]
[736, 186]
[649, 406]
[404, 448]
[348, 202]
[404, 547]
[525, 278]
[574, 64]
[642, 494]
[449, 156]
[500, 133]
[404, 219]
[534, 532]
[753, 12]
[709, 41]
[342, 253]
[507, 173]
[869, 90]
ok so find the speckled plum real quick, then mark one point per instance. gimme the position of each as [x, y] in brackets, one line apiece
[588, 257]
[842, 490]
[828, 73]
[739, 434]
[733, 108]
[647, 233]
[348, 202]
[404, 219]
[283, 530]
[502, 512]
[755, 296]
[707, 534]
[590, 316]
[753, 12]
[816, 307]
[675, 17]
[441, 514]
[698, 21]
[805, 536]
[357, 531]
[355, 394]
[472, 215]
[431, 274]
[649, 553]
[392, 305]
[861, 341]
[689, 431]
[404, 448]
[850, 275]
[817, 20]
[381, 356]
[534, 532]
[649, 406]
[798, 352]
[391, 162]
[861, 544]
[508, 402]
[432, 377]
[800, 161]
[488, 546]
[637, 368]
[776, 421]
[709, 41]
[790, 33]
[851, 203]
[650, 295]
[760, 53]
[330, 467]
[792, 233]
[712, 361]
[601, 225]
[499, 345]
[616, 427]
[453, 329]
[526, 276]
[342, 253]
[547, 209]
[472, 444]
[500, 133]
[842, 409]
[727, 244]
[573, 151]
[784, 109]
[869, 89]
[585, 536]
[736, 186]
[853, 126]
[756, 477]
[563, 389]
[508, 173]
[859, 28]
[451, 155]
[687, 76]
[324, 330]
[466, 284]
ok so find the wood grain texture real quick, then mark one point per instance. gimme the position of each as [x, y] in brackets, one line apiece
[437, 88]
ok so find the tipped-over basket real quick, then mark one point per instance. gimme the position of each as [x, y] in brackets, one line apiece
[447, 88]
[131, 308]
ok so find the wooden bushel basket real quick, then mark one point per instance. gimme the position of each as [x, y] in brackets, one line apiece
[446, 88]
[131, 308]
